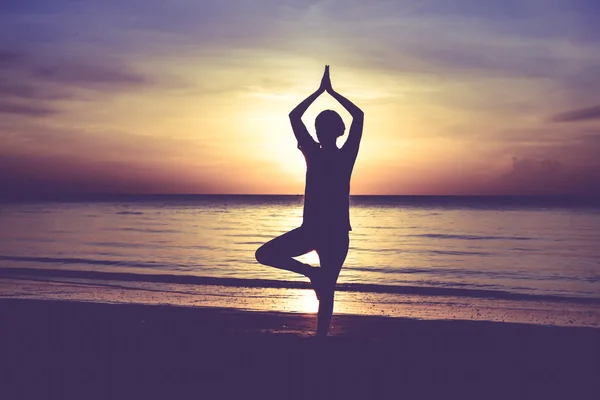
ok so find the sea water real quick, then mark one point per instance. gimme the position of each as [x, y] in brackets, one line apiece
[518, 245]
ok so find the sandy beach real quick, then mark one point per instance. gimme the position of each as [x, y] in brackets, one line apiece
[66, 349]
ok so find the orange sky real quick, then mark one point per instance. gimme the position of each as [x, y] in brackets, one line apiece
[193, 97]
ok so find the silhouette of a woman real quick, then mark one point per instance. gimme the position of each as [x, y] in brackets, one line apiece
[326, 221]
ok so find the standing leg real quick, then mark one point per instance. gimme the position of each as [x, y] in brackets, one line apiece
[278, 252]
[332, 253]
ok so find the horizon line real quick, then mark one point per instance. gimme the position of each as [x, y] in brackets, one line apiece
[83, 194]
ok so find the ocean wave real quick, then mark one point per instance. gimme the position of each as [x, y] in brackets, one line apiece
[458, 253]
[148, 230]
[485, 273]
[469, 237]
[119, 244]
[405, 249]
[448, 272]
[86, 261]
[20, 273]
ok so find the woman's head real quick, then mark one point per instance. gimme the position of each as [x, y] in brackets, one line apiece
[329, 126]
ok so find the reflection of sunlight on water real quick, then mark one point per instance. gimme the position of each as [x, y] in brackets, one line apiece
[305, 301]
[311, 258]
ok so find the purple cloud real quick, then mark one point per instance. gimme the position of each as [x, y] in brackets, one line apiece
[35, 81]
[550, 177]
[21, 68]
[581, 114]
[28, 110]
[8, 58]
[76, 73]
[28, 91]
[37, 176]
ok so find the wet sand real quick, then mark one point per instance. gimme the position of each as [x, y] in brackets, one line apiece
[66, 349]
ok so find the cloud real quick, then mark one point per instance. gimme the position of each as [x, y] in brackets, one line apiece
[26, 69]
[29, 91]
[76, 73]
[433, 37]
[37, 176]
[96, 144]
[591, 139]
[524, 169]
[8, 58]
[550, 177]
[25, 110]
[31, 85]
[581, 114]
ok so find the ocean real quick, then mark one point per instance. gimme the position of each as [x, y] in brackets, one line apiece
[492, 248]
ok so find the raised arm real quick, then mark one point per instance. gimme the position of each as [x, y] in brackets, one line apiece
[304, 139]
[352, 144]
[300, 131]
[356, 128]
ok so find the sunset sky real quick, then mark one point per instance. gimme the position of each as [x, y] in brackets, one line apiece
[189, 96]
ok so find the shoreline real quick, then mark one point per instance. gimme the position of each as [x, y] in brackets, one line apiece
[70, 349]
[302, 300]
[188, 279]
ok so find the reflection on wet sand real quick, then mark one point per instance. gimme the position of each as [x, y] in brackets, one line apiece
[304, 301]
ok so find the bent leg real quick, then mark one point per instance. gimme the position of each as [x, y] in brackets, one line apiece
[278, 252]
[332, 254]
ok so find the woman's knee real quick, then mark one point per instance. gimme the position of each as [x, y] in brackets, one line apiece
[264, 255]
